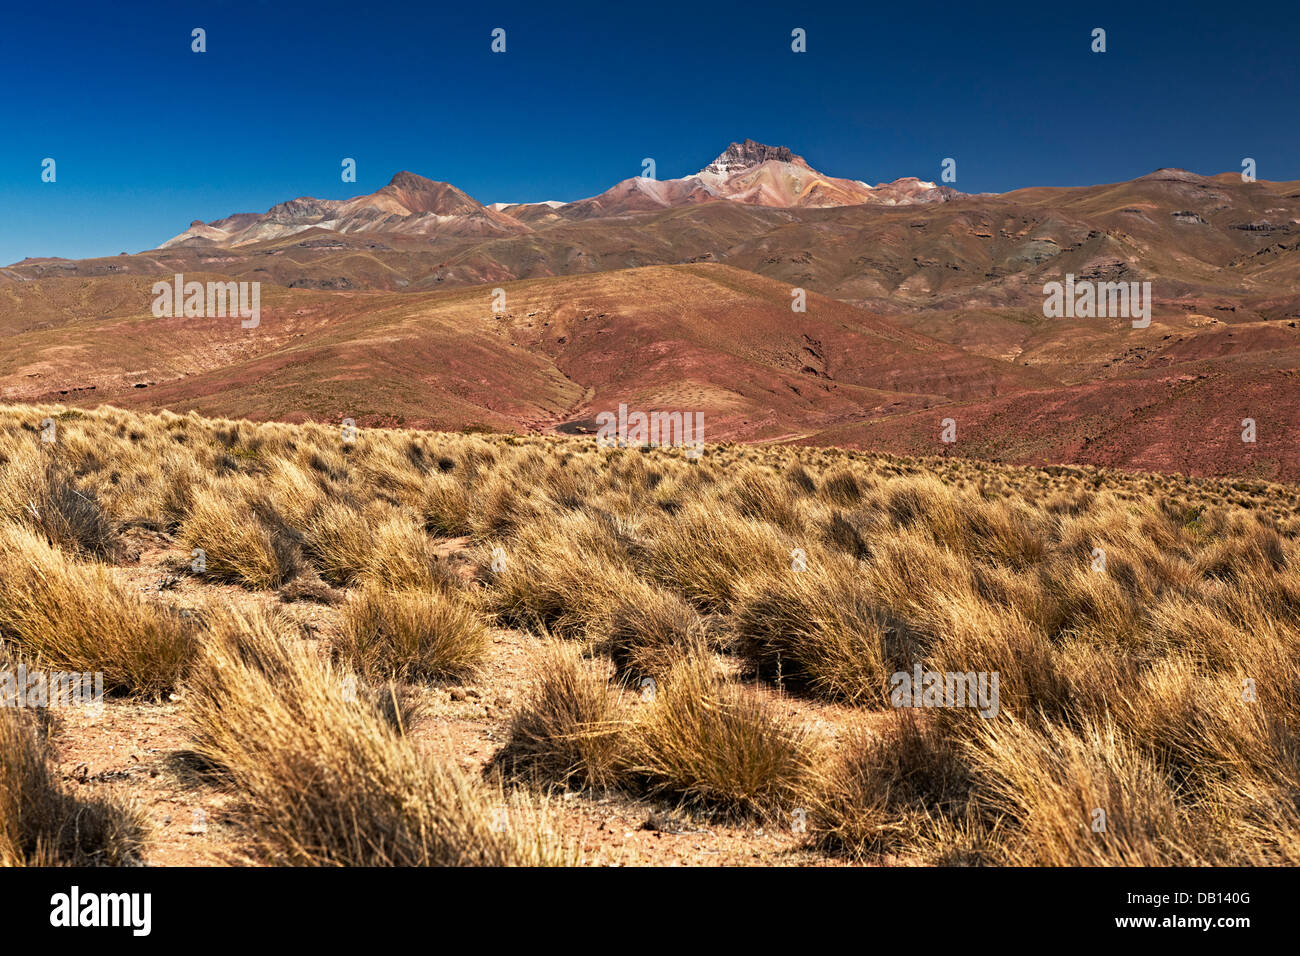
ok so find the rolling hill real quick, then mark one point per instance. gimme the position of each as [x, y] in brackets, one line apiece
[922, 304]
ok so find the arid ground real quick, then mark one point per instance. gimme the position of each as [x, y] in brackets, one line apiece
[363, 586]
[420, 647]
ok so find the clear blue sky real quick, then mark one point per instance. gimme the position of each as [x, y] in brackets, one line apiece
[149, 136]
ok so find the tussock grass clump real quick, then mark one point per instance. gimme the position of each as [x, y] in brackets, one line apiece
[238, 546]
[799, 476]
[998, 532]
[1204, 733]
[295, 492]
[1051, 783]
[76, 617]
[570, 730]
[649, 628]
[1125, 615]
[411, 635]
[705, 555]
[44, 824]
[506, 503]
[882, 792]
[844, 532]
[380, 544]
[1095, 606]
[323, 781]
[395, 477]
[446, 506]
[718, 746]
[561, 577]
[762, 496]
[403, 556]
[1257, 548]
[842, 486]
[339, 541]
[37, 490]
[822, 629]
[1034, 675]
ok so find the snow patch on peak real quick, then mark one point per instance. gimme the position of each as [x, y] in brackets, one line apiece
[501, 206]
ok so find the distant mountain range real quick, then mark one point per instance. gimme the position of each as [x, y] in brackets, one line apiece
[747, 172]
[922, 304]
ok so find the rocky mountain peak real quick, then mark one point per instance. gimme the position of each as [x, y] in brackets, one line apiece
[405, 180]
[748, 154]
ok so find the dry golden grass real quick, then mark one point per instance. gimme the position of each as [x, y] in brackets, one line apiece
[1145, 630]
[339, 539]
[44, 824]
[446, 505]
[71, 616]
[717, 745]
[1089, 797]
[411, 635]
[37, 491]
[324, 781]
[648, 628]
[238, 545]
[560, 576]
[822, 628]
[882, 792]
[570, 729]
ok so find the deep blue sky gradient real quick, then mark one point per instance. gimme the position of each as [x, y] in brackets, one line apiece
[149, 136]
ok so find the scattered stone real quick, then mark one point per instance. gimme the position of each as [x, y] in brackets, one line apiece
[665, 822]
[310, 589]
